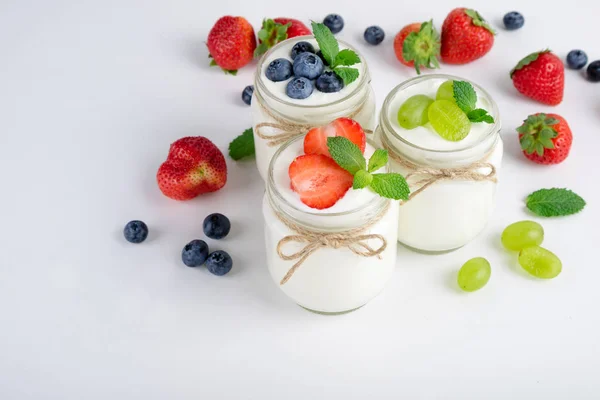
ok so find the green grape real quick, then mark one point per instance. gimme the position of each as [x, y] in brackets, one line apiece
[474, 274]
[413, 112]
[540, 262]
[449, 121]
[446, 91]
[522, 234]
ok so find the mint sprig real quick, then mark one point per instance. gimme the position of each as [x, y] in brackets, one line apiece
[338, 61]
[466, 99]
[242, 146]
[348, 156]
[554, 202]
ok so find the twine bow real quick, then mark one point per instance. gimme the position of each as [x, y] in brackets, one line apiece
[354, 239]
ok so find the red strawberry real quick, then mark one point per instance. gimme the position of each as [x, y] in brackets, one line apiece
[545, 138]
[231, 43]
[194, 166]
[418, 45]
[277, 30]
[540, 76]
[318, 180]
[315, 141]
[466, 36]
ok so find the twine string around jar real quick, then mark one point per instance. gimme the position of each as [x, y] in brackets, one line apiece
[288, 129]
[354, 239]
[478, 171]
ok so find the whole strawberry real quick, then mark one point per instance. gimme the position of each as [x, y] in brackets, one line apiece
[194, 166]
[418, 45]
[540, 76]
[466, 36]
[277, 30]
[231, 43]
[545, 138]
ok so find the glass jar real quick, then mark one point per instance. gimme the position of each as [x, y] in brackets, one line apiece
[453, 186]
[283, 115]
[327, 262]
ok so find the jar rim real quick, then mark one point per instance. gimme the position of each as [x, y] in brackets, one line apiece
[388, 128]
[275, 193]
[259, 83]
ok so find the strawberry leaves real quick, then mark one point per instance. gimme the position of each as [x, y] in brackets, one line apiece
[478, 20]
[423, 47]
[338, 61]
[269, 35]
[536, 133]
[527, 60]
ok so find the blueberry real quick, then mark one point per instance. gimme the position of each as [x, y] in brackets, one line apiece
[513, 20]
[279, 70]
[135, 231]
[299, 88]
[334, 22]
[576, 59]
[593, 71]
[329, 82]
[216, 226]
[374, 35]
[320, 55]
[247, 94]
[195, 253]
[302, 47]
[219, 263]
[308, 65]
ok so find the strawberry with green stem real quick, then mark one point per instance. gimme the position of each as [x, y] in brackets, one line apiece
[418, 45]
[277, 30]
[545, 138]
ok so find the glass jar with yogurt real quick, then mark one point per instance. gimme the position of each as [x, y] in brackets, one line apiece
[453, 184]
[332, 260]
[275, 114]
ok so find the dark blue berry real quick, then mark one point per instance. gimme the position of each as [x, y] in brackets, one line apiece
[320, 55]
[195, 253]
[576, 59]
[216, 226]
[135, 231]
[299, 88]
[247, 94]
[334, 22]
[308, 65]
[329, 82]
[513, 20]
[593, 71]
[374, 35]
[219, 263]
[302, 47]
[279, 70]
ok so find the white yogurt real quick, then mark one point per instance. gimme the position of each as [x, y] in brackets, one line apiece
[448, 214]
[356, 100]
[330, 280]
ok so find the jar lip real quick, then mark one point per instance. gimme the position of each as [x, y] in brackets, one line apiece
[384, 120]
[274, 192]
[259, 83]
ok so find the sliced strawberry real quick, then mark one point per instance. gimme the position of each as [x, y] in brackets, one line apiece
[315, 141]
[318, 180]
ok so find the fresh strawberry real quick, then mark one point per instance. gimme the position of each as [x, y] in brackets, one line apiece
[231, 43]
[194, 166]
[466, 36]
[315, 141]
[545, 138]
[318, 180]
[540, 76]
[418, 45]
[277, 30]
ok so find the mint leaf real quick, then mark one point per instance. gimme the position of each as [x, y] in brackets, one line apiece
[554, 202]
[480, 115]
[362, 179]
[242, 146]
[348, 75]
[378, 160]
[346, 154]
[326, 41]
[390, 185]
[346, 57]
[465, 95]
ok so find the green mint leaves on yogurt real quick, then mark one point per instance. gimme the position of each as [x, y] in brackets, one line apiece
[338, 61]
[466, 99]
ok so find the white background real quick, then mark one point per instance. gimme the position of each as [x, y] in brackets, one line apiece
[91, 95]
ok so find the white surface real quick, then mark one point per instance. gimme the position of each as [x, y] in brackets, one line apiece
[93, 93]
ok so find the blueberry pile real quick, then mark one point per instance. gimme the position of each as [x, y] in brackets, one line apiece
[307, 70]
[577, 59]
